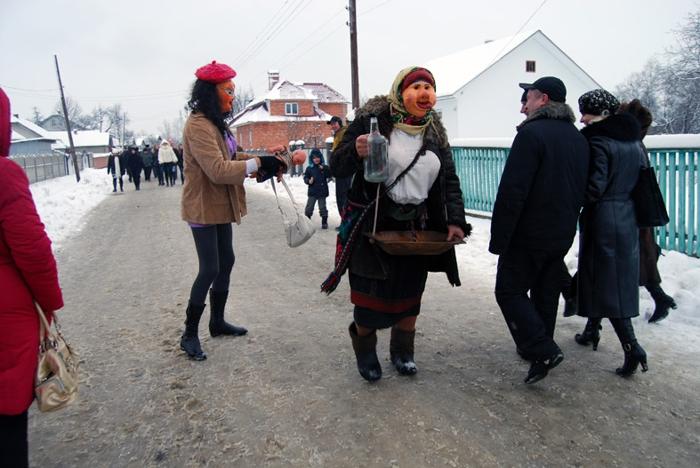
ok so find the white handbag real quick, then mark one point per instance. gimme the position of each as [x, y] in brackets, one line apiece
[297, 226]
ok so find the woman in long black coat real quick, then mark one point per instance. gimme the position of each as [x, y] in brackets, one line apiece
[608, 269]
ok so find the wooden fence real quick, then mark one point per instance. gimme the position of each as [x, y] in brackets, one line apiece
[480, 168]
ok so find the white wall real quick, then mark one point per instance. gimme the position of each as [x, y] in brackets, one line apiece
[489, 106]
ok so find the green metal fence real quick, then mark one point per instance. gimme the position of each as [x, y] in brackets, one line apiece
[479, 170]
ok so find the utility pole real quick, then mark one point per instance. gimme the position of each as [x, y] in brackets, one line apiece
[65, 115]
[353, 55]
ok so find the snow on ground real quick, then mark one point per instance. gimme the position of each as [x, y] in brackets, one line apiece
[63, 205]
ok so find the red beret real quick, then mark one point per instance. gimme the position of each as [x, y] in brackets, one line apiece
[419, 74]
[215, 72]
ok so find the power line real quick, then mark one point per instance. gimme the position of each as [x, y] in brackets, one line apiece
[518, 31]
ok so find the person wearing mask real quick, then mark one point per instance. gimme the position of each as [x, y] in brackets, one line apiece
[28, 274]
[608, 265]
[213, 198]
[423, 194]
[534, 221]
[316, 176]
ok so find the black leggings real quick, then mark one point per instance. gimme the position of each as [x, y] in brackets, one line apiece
[215, 253]
[13, 441]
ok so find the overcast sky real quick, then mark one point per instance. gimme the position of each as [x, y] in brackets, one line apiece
[143, 53]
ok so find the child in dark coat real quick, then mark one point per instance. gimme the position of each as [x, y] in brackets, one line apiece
[316, 177]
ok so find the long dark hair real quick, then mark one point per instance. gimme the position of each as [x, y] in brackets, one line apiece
[205, 99]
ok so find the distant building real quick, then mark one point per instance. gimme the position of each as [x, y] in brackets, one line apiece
[29, 139]
[290, 111]
[56, 123]
[477, 88]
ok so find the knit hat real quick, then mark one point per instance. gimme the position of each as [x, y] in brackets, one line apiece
[598, 102]
[419, 74]
[215, 72]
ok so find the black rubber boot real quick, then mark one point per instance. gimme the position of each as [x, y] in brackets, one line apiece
[662, 301]
[324, 222]
[189, 342]
[217, 325]
[634, 353]
[401, 351]
[591, 333]
[365, 348]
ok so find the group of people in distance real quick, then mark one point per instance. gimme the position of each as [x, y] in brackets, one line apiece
[554, 177]
[163, 161]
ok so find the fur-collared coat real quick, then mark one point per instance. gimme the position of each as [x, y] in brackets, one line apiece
[543, 184]
[213, 192]
[444, 204]
[608, 266]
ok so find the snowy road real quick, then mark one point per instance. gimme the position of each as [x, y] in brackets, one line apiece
[288, 394]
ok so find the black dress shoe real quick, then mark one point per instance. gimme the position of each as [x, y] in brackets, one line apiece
[541, 367]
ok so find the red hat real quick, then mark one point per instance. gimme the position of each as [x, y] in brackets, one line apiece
[419, 74]
[215, 72]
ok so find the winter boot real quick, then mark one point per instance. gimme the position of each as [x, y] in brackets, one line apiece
[190, 340]
[662, 301]
[570, 307]
[591, 333]
[401, 351]
[365, 348]
[634, 354]
[324, 222]
[217, 325]
[540, 367]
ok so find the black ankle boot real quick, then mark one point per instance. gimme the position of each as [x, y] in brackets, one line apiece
[662, 302]
[401, 351]
[634, 356]
[570, 307]
[541, 367]
[591, 333]
[365, 348]
[217, 325]
[324, 222]
[190, 340]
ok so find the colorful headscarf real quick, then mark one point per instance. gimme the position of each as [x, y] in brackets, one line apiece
[402, 119]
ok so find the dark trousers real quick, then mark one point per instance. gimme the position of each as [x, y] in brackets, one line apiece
[311, 203]
[182, 173]
[530, 319]
[137, 181]
[121, 183]
[342, 186]
[147, 173]
[158, 172]
[14, 452]
[214, 246]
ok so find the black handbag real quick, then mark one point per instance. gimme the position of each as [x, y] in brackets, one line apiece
[649, 204]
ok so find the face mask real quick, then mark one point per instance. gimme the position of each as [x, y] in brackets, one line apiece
[419, 98]
[226, 92]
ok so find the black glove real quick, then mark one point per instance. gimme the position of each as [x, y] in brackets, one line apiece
[269, 167]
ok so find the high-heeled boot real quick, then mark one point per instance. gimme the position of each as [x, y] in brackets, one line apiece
[634, 353]
[662, 302]
[591, 333]
[189, 342]
[365, 348]
[401, 351]
[217, 324]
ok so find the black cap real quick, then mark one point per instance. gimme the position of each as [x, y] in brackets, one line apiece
[337, 119]
[549, 85]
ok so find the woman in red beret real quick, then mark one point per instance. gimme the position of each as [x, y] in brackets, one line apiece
[213, 197]
[27, 275]
[421, 193]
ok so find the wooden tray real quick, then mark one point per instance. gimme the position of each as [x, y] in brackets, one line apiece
[412, 243]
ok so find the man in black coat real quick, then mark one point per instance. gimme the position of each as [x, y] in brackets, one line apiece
[135, 164]
[534, 220]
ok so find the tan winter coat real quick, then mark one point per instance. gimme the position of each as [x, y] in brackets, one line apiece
[213, 192]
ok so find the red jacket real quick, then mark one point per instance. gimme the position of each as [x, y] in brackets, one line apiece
[27, 274]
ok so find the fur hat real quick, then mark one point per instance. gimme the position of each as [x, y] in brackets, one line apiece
[598, 102]
[215, 72]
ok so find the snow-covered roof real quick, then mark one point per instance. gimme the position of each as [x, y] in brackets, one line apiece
[83, 138]
[324, 93]
[454, 71]
[34, 131]
[260, 113]
[288, 90]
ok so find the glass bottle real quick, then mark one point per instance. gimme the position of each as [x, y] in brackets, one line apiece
[376, 164]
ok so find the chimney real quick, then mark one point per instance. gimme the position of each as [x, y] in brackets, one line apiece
[273, 76]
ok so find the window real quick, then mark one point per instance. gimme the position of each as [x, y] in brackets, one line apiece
[530, 66]
[291, 108]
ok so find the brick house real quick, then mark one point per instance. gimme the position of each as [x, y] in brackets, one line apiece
[289, 112]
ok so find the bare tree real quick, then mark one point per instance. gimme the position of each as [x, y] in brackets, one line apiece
[37, 118]
[244, 96]
[74, 109]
